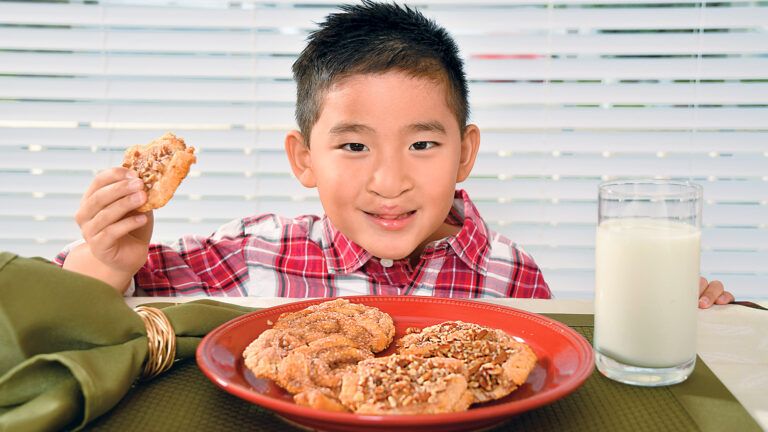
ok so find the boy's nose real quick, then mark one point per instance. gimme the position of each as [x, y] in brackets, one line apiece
[390, 178]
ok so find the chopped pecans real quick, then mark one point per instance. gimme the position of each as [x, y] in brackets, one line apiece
[483, 351]
[400, 381]
[150, 165]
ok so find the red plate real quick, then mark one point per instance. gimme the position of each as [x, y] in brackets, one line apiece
[565, 361]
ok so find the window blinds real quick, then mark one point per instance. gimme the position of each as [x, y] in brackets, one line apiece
[566, 93]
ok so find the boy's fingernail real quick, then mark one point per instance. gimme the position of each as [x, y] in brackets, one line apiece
[140, 218]
[130, 174]
[704, 302]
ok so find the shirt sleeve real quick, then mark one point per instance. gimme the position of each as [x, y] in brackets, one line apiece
[197, 265]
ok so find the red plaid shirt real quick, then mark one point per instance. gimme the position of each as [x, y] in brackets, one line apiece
[268, 255]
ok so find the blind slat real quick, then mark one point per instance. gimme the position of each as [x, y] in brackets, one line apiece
[477, 69]
[115, 41]
[282, 116]
[618, 69]
[494, 19]
[145, 65]
[481, 93]
[84, 89]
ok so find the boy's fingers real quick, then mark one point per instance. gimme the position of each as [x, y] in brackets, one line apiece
[108, 176]
[702, 284]
[725, 298]
[105, 197]
[110, 234]
[713, 290]
[112, 213]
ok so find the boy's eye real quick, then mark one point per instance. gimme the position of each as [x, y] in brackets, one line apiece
[354, 147]
[422, 145]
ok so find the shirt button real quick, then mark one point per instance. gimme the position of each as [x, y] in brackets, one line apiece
[386, 262]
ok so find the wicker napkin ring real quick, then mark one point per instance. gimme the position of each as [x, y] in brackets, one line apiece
[161, 340]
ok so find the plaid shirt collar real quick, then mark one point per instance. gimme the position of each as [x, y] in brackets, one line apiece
[470, 244]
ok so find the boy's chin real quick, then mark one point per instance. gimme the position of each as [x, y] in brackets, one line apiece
[390, 253]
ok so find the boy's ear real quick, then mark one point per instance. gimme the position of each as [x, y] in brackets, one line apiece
[470, 144]
[300, 158]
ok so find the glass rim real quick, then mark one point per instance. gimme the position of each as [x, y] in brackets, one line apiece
[621, 188]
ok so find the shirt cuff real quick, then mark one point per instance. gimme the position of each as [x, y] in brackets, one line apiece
[59, 259]
[131, 290]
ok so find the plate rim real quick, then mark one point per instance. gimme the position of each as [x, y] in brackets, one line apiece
[290, 410]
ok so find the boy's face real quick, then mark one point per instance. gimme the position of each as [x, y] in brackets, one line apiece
[386, 154]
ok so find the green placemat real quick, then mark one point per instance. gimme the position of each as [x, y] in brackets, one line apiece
[183, 399]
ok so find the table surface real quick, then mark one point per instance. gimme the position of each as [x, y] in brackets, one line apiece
[732, 340]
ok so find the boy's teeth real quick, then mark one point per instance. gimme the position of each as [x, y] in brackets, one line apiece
[392, 217]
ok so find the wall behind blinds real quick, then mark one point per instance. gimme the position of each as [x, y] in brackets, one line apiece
[567, 93]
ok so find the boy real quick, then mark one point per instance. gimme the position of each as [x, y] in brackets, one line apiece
[382, 111]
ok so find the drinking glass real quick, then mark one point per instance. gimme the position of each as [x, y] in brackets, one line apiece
[647, 257]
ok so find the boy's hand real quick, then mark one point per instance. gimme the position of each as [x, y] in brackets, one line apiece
[115, 234]
[712, 293]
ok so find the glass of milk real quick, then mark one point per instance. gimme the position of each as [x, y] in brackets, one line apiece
[647, 280]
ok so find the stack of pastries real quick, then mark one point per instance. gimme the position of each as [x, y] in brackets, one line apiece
[324, 356]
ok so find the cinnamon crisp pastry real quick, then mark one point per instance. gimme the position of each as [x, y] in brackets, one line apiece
[406, 384]
[313, 372]
[263, 355]
[308, 351]
[367, 326]
[497, 364]
[162, 165]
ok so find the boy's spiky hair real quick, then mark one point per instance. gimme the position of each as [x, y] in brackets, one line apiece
[372, 37]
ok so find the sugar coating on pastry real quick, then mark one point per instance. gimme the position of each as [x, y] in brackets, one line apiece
[263, 355]
[320, 364]
[162, 165]
[406, 384]
[367, 326]
[497, 364]
[307, 352]
[319, 398]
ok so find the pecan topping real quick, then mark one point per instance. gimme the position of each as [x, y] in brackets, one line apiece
[403, 380]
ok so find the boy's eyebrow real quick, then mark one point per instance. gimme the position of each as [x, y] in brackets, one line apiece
[343, 128]
[430, 126]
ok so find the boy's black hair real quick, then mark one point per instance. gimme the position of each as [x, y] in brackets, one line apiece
[372, 37]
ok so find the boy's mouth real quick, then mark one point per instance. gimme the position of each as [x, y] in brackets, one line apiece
[392, 221]
[387, 216]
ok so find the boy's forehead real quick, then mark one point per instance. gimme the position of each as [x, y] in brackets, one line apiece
[374, 89]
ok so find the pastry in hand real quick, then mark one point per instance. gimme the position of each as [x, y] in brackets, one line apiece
[162, 165]
[497, 363]
[406, 384]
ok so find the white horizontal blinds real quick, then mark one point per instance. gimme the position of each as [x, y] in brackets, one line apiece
[567, 93]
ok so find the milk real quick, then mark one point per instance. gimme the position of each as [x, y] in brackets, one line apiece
[646, 295]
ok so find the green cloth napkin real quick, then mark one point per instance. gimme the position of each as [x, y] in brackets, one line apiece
[70, 348]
